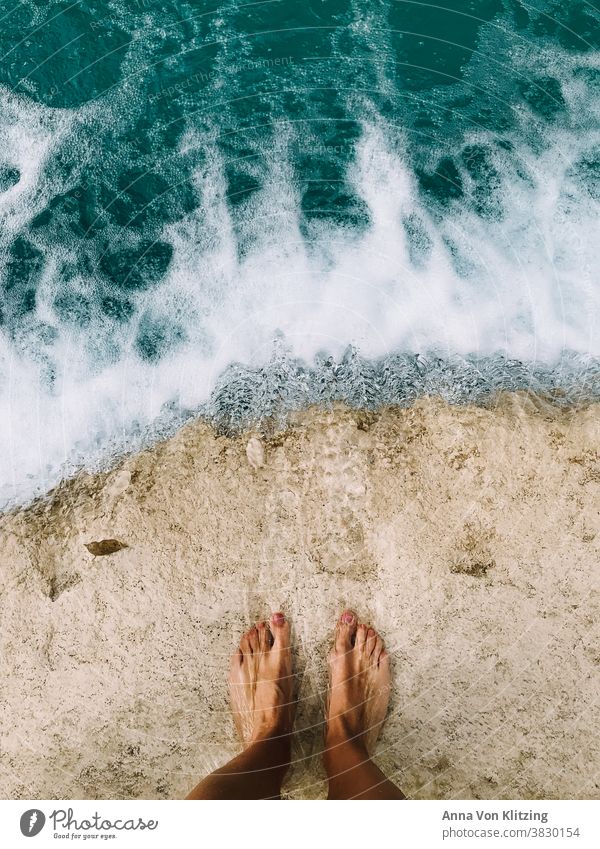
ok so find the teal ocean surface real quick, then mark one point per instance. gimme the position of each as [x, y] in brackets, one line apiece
[240, 209]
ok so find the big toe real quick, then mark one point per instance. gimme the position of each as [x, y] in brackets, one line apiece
[345, 631]
[280, 629]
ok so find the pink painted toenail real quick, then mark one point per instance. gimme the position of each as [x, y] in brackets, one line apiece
[347, 617]
[278, 618]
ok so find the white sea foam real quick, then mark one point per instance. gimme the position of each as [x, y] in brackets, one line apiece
[28, 135]
[523, 284]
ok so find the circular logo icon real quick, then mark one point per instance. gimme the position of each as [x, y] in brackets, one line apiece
[32, 822]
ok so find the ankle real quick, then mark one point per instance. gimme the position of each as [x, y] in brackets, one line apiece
[274, 723]
[343, 745]
[276, 734]
[340, 731]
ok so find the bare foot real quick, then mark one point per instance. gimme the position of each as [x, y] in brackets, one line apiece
[260, 682]
[359, 689]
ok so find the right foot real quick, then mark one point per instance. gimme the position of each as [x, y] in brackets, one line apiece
[359, 689]
[260, 682]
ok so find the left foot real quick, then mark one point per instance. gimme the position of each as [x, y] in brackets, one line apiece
[260, 682]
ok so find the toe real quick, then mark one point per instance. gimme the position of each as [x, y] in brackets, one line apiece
[252, 637]
[345, 631]
[236, 660]
[361, 637]
[245, 646]
[377, 650]
[384, 662]
[264, 635]
[371, 642]
[280, 629]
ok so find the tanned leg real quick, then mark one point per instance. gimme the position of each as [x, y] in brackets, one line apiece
[359, 694]
[260, 685]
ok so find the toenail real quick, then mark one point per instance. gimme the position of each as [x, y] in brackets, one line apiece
[278, 618]
[347, 617]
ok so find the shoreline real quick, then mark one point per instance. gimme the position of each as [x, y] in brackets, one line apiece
[469, 535]
[270, 426]
[72, 439]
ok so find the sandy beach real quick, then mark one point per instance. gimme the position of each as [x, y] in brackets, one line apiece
[469, 536]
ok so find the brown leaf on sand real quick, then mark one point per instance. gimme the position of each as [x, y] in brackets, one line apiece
[105, 546]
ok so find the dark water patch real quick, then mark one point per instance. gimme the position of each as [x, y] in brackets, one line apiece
[240, 185]
[71, 214]
[119, 309]
[519, 14]
[20, 278]
[137, 268]
[418, 240]
[574, 25]
[432, 44]
[444, 184]
[156, 337]
[95, 211]
[334, 202]
[486, 187]
[65, 55]
[144, 199]
[463, 265]
[544, 96]
[73, 308]
[586, 173]
[141, 193]
[9, 177]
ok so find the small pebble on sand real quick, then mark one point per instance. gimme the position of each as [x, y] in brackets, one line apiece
[104, 546]
[255, 452]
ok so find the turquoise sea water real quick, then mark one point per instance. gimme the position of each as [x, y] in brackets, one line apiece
[242, 209]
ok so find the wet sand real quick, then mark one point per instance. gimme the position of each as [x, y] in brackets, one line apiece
[470, 537]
